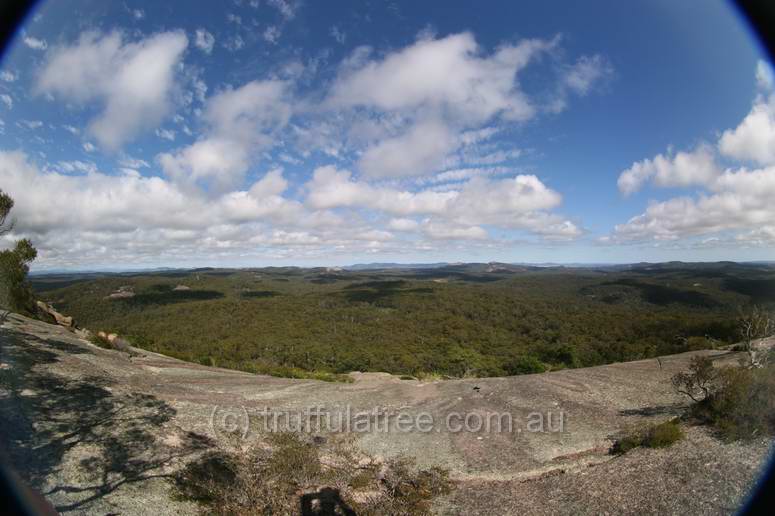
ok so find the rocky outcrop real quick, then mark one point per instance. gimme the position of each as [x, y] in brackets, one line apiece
[63, 386]
[121, 293]
[62, 320]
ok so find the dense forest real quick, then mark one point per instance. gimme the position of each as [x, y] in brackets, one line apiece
[465, 320]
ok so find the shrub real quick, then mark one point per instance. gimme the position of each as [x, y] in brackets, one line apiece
[663, 435]
[289, 372]
[743, 404]
[559, 355]
[626, 443]
[293, 472]
[660, 435]
[525, 364]
[698, 382]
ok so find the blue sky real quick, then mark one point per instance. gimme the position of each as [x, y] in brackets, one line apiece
[244, 133]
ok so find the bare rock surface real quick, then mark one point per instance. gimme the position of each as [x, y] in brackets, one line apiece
[100, 431]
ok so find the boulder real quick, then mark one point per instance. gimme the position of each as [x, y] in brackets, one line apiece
[62, 320]
[121, 294]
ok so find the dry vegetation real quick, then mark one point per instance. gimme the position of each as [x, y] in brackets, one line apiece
[289, 473]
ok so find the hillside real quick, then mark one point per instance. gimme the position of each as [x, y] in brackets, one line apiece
[478, 320]
[100, 431]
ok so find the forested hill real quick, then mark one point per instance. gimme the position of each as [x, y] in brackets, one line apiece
[488, 319]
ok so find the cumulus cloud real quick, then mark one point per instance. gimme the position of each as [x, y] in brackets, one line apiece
[521, 202]
[587, 71]
[35, 43]
[272, 34]
[417, 125]
[287, 8]
[418, 104]
[734, 205]
[421, 150]
[241, 122]
[75, 198]
[403, 224]
[754, 138]
[7, 100]
[234, 43]
[8, 76]
[133, 80]
[580, 78]
[204, 40]
[166, 134]
[78, 216]
[682, 169]
[338, 34]
[448, 73]
[737, 200]
[764, 75]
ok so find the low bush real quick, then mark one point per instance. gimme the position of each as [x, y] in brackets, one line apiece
[660, 435]
[288, 372]
[290, 474]
[525, 364]
[742, 405]
[663, 435]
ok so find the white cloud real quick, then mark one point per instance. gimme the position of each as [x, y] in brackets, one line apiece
[71, 129]
[129, 162]
[403, 224]
[697, 167]
[579, 78]
[78, 219]
[133, 80]
[521, 202]
[764, 75]
[738, 200]
[8, 76]
[76, 166]
[338, 35]
[7, 100]
[462, 174]
[272, 34]
[287, 8]
[166, 134]
[35, 43]
[586, 72]
[204, 40]
[754, 138]
[217, 162]
[240, 122]
[442, 231]
[732, 207]
[448, 74]
[74, 209]
[88, 147]
[31, 124]
[234, 43]
[414, 107]
[418, 152]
